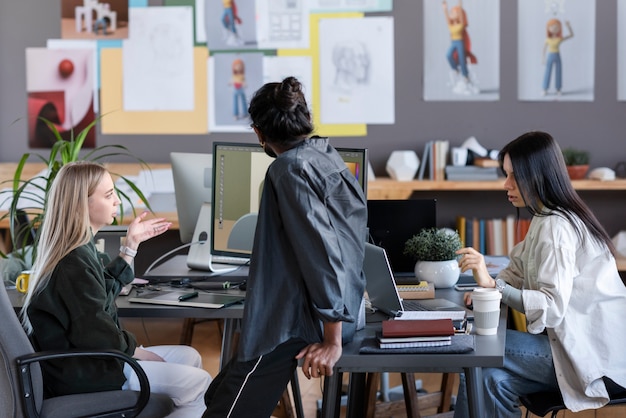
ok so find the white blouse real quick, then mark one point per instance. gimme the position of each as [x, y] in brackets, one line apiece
[572, 288]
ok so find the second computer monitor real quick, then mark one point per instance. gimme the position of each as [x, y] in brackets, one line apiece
[238, 176]
[392, 222]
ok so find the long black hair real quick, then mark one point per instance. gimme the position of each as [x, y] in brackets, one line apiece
[542, 179]
[280, 112]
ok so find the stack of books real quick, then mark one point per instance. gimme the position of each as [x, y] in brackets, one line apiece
[416, 333]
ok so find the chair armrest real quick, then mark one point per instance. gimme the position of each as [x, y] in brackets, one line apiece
[25, 361]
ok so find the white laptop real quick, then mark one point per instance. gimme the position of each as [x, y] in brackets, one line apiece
[383, 293]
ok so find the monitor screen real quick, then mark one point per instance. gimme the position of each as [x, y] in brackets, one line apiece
[239, 172]
[392, 222]
[192, 187]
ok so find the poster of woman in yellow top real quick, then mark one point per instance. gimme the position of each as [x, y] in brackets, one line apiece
[461, 50]
[556, 50]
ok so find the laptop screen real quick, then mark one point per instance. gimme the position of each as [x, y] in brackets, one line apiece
[392, 222]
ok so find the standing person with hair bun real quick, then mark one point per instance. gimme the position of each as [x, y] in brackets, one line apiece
[306, 283]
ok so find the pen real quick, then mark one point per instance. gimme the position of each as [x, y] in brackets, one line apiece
[187, 296]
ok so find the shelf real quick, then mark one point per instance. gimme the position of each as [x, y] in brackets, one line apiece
[386, 188]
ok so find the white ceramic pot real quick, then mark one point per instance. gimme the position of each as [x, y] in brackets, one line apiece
[441, 274]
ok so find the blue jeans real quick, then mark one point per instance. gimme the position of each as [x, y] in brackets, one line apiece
[228, 19]
[239, 98]
[528, 368]
[460, 51]
[554, 60]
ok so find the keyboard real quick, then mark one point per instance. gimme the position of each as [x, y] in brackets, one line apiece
[224, 259]
[414, 305]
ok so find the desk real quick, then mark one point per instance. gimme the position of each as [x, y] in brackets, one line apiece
[488, 352]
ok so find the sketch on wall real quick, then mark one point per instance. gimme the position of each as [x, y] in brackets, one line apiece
[283, 24]
[556, 50]
[461, 50]
[621, 53]
[357, 70]
[59, 86]
[276, 69]
[158, 59]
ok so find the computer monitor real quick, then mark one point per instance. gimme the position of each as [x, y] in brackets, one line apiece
[392, 222]
[239, 172]
[192, 174]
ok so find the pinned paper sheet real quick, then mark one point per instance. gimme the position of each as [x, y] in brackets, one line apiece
[118, 121]
[320, 128]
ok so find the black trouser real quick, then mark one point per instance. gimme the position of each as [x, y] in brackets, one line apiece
[252, 388]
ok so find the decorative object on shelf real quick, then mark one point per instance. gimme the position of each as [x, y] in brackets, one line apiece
[402, 165]
[476, 150]
[26, 198]
[577, 162]
[434, 249]
[602, 174]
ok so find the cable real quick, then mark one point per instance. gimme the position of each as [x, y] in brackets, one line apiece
[167, 254]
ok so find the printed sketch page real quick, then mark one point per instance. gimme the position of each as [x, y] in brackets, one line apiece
[357, 70]
[556, 50]
[158, 59]
[283, 24]
[276, 69]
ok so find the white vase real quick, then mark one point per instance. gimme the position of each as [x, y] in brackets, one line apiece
[402, 165]
[442, 274]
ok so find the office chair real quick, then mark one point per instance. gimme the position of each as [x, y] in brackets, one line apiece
[21, 383]
[542, 403]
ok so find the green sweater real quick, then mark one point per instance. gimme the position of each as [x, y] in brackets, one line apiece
[77, 310]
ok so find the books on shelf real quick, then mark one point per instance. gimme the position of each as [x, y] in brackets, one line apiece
[492, 236]
[471, 173]
[423, 290]
[435, 158]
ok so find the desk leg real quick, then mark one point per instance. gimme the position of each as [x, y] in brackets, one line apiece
[356, 391]
[228, 338]
[475, 392]
[331, 398]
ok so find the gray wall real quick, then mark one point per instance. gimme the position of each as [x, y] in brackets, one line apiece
[598, 126]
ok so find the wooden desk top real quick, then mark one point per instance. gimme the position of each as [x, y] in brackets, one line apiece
[7, 170]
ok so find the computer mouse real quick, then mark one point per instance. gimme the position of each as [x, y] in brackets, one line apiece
[602, 173]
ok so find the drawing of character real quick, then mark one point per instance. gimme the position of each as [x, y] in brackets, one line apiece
[459, 52]
[229, 19]
[238, 81]
[552, 47]
[352, 63]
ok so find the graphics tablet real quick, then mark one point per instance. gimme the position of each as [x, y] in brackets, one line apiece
[171, 297]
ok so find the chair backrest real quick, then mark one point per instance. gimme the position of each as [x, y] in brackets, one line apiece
[13, 344]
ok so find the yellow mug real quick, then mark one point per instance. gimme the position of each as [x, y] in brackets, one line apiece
[21, 283]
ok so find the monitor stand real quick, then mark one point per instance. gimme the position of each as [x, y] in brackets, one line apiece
[199, 256]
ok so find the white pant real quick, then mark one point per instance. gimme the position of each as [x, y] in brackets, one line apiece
[181, 377]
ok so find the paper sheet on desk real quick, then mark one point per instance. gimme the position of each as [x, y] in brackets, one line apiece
[454, 315]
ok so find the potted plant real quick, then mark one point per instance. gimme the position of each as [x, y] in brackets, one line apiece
[27, 197]
[434, 251]
[577, 162]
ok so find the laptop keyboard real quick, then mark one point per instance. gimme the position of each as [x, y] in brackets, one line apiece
[413, 305]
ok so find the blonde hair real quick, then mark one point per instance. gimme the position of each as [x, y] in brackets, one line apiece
[65, 225]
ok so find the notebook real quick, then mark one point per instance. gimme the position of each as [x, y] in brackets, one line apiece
[383, 293]
[170, 297]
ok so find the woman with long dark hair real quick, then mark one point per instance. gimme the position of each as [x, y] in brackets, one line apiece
[564, 278]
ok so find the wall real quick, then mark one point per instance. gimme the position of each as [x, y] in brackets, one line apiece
[598, 126]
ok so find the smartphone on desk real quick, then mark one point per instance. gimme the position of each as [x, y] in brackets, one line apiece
[465, 287]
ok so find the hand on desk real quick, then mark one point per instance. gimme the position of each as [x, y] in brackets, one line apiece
[319, 359]
[145, 355]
